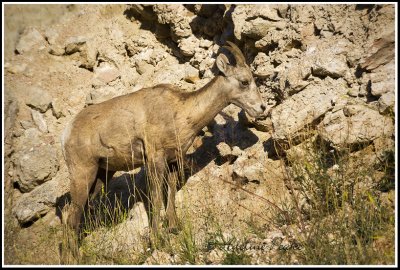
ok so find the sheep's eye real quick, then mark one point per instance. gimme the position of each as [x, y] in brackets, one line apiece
[244, 83]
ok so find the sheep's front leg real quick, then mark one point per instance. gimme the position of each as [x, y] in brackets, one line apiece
[156, 178]
[170, 211]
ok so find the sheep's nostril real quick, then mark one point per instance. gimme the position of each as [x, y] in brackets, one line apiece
[263, 107]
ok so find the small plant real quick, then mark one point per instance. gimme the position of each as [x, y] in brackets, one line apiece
[187, 242]
[234, 258]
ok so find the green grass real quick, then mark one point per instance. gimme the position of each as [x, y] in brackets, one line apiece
[339, 215]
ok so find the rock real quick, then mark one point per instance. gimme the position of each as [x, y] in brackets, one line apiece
[11, 109]
[191, 74]
[188, 45]
[381, 80]
[353, 92]
[386, 102]
[29, 40]
[35, 166]
[26, 124]
[259, 27]
[145, 13]
[159, 258]
[15, 68]
[384, 146]
[31, 206]
[38, 98]
[354, 124]
[143, 67]
[255, 20]
[253, 164]
[262, 125]
[106, 73]
[215, 256]
[262, 66]
[51, 35]
[205, 43]
[103, 93]
[169, 73]
[334, 66]
[88, 55]
[381, 52]
[224, 149]
[58, 108]
[293, 76]
[57, 50]
[248, 168]
[303, 108]
[125, 240]
[177, 17]
[74, 44]
[39, 121]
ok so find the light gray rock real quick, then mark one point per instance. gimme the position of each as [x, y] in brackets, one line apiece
[381, 80]
[381, 52]
[354, 124]
[303, 108]
[58, 109]
[334, 66]
[177, 17]
[191, 74]
[262, 66]
[26, 124]
[88, 55]
[169, 73]
[29, 40]
[205, 43]
[125, 240]
[35, 165]
[215, 256]
[248, 168]
[224, 149]
[188, 45]
[15, 68]
[57, 50]
[106, 73]
[38, 98]
[51, 35]
[293, 75]
[31, 206]
[99, 94]
[74, 44]
[386, 102]
[255, 20]
[143, 67]
[258, 27]
[159, 258]
[39, 121]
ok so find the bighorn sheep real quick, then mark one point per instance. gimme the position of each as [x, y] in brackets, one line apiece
[144, 126]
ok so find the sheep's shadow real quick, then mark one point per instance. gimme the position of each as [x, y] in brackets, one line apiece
[124, 191]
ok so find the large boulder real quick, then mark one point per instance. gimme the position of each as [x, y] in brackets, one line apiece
[29, 40]
[355, 124]
[125, 240]
[36, 160]
[38, 98]
[305, 107]
[33, 205]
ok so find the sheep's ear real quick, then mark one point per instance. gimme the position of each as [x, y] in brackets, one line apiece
[223, 64]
